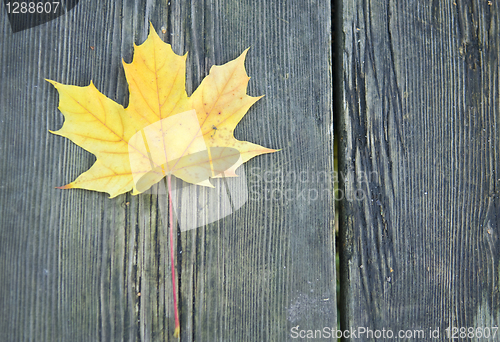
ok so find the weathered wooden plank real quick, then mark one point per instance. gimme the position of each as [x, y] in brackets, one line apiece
[421, 249]
[79, 266]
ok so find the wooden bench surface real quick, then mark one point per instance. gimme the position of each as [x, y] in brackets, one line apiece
[414, 89]
[77, 266]
[421, 82]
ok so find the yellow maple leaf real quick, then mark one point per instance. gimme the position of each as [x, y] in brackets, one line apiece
[117, 135]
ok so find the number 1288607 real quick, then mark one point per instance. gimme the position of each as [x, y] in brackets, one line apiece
[25, 7]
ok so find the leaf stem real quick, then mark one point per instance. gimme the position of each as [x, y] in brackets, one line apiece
[172, 264]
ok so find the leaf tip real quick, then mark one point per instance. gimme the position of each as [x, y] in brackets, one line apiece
[152, 32]
[244, 53]
[54, 83]
[151, 27]
[177, 331]
[64, 187]
[271, 150]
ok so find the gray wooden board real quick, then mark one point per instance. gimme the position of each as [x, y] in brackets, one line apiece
[420, 246]
[77, 266]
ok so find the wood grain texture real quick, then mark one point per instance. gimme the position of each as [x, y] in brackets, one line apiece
[77, 266]
[421, 89]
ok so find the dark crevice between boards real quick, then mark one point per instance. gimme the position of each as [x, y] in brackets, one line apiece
[338, 119]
